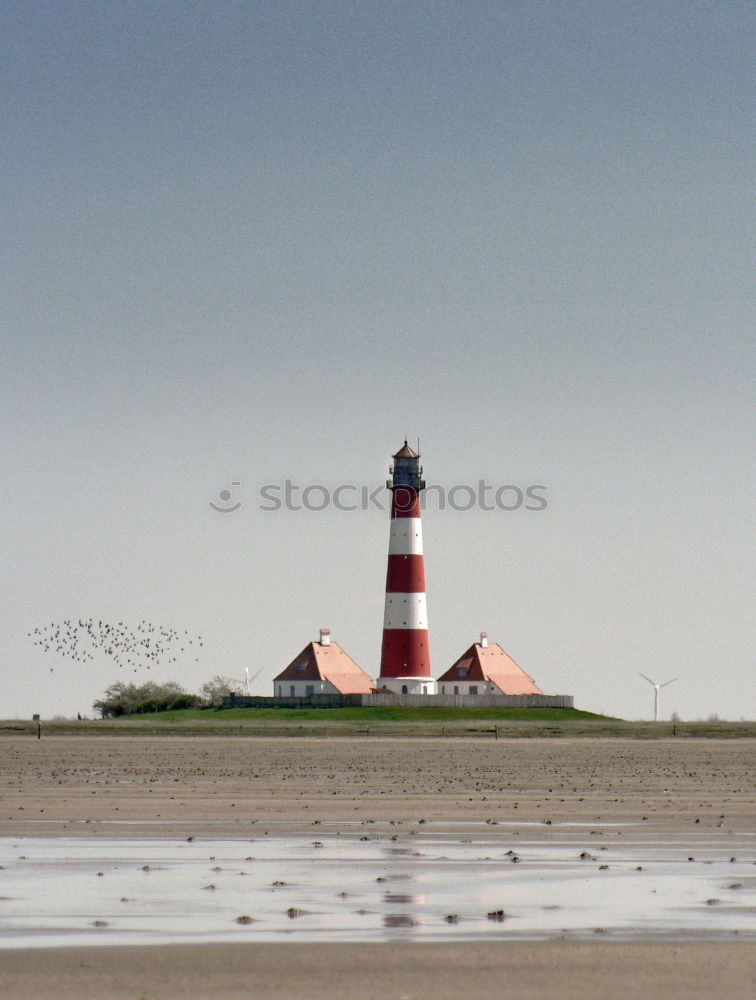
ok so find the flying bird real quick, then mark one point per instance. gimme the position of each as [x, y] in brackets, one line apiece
[142, 646]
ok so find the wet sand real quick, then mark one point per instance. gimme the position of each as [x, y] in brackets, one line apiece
[526, 971]
[92, 785]
[233, 787]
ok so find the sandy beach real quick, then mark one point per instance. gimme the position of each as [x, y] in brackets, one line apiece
[225, 787]
[77, 785]
[523, 971]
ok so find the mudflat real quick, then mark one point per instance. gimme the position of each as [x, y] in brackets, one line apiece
[478, 971]
[165, 785]
[232, 787]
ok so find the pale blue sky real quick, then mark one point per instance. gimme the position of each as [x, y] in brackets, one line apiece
[251, 241]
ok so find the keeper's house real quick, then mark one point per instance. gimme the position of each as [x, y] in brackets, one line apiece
[486, 669]
[321, 668]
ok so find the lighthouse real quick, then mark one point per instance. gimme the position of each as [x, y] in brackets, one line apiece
[405, 656]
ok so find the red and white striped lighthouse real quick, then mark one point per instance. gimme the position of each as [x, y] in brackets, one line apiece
[405, 656]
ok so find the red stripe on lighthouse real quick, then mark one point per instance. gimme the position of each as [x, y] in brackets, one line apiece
[407, 651]
[405, 502]
[406, 574]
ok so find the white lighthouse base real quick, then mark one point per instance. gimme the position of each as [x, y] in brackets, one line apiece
[407, 685]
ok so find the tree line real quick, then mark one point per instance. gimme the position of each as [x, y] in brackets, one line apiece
[134, 699]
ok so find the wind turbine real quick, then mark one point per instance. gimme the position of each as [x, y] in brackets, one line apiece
[657, 688]
[248, 680]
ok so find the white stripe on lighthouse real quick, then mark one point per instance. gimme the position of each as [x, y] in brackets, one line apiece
[406, 537]
[405, 611]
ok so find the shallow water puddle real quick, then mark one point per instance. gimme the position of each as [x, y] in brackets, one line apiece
[72, 891]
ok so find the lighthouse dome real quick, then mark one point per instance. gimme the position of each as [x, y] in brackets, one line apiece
[406, 452]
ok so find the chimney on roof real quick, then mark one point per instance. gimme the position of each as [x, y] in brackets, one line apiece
[325, 637]
[483, 639]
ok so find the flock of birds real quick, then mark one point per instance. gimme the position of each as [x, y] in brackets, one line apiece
[147, 645]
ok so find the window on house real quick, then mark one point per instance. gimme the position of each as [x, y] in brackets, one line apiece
[291, 690]
[456, 689]
[404, 688]
[473, 689]
[310, 689]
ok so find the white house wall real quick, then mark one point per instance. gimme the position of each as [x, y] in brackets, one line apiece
[466, 687]
[302, 689]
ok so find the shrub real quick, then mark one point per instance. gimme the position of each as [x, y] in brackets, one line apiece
[131, 699]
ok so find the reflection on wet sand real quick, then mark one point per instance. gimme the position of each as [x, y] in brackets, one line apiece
[400, 920]
[412, 919]
[66, 890]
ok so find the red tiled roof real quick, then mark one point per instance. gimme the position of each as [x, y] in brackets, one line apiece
[328, 663]
[491, 663]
